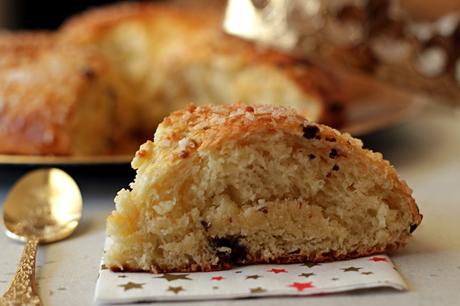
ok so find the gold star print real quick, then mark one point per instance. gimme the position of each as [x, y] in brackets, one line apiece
[306, 274]
[258, 290]
[351, 269]
[255, 276]
[173, 277]
[310, 264]
[121, 276]
[176, 290]
[366, 273]
[131, 285]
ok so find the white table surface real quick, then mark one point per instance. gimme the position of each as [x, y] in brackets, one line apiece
[426, 152]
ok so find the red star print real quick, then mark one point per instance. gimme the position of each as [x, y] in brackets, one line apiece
[276, 271]
[217, 278]
[376, 259]
[301, 286]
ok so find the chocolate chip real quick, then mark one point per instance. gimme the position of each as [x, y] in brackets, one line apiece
[206, 225]
[263, 210]
[183, 154]
[238, 251]
[333, 154]
[89, 73]
[412, 228]
[311, 156]
[331, 139]
[310, 131]
[335, 168]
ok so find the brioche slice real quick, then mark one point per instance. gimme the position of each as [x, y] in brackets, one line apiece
[229, 185]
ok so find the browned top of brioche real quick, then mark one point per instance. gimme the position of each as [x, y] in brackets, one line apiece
[214, 125]
[40, 85]
[95, 21]
[211, 125]
[188, 131]
[23, 47]
[27, 40]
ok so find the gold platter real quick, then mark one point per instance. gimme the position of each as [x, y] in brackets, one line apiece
[64, 160]
[371, 105]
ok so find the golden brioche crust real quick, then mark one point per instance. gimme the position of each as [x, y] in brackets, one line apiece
[95, 22]
[25, 41]
[40, 85]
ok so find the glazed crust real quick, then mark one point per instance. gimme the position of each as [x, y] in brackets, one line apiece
[40, 86]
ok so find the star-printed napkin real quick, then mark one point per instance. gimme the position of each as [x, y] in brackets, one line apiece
[249, 281]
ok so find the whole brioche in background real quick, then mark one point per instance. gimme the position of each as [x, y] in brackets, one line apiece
[174, 55]
[229, 185]
[107, 78]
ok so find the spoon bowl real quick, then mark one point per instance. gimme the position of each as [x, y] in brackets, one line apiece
[43, 206]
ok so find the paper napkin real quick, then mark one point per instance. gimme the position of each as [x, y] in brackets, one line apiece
[249, 281]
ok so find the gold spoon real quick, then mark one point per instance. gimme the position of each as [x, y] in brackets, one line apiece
[42, 207]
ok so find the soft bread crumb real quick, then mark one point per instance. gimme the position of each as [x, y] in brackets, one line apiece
[250, 192]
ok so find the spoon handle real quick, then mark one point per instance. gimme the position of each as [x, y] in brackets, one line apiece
[22, 290]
